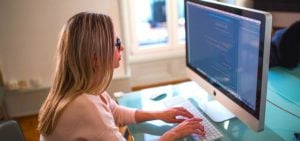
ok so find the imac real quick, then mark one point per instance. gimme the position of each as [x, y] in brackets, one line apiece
[227, 54]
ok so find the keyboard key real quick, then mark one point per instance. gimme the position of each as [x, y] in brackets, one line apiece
[212, 133]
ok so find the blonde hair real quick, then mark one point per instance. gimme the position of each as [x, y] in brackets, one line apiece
[84, 65]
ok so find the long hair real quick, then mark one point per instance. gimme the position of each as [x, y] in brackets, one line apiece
[84, 65]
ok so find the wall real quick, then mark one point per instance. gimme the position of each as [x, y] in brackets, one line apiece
[151, 72]
[284, 19]
[29, 33]
[28, 37]
[280, 18]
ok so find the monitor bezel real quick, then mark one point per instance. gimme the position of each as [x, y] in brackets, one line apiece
[254, 118]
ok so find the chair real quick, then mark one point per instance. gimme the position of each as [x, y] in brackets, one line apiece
[3, 111]
[10, 131]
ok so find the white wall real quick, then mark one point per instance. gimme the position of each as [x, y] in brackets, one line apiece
[28, 36]
[153, 72]
[29, 32]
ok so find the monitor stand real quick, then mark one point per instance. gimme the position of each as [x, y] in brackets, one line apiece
[217, 112]
[214, 110]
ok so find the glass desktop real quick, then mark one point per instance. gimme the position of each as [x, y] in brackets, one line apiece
[279, 125]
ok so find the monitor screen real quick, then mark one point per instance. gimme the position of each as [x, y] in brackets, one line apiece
[227, 52]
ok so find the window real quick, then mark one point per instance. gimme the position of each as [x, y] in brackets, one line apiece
[153, 28]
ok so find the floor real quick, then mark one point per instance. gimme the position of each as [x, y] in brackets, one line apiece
[29, 127]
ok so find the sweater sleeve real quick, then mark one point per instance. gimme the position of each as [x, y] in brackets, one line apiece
[122, 115]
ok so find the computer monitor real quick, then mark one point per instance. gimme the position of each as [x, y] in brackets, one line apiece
[227, 54]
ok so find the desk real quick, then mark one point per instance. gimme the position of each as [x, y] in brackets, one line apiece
[279, 124]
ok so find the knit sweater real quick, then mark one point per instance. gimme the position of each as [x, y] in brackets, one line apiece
[91, 118]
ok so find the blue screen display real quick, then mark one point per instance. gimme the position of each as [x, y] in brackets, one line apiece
[225, 48]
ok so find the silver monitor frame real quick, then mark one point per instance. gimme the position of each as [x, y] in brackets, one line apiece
[256, 124]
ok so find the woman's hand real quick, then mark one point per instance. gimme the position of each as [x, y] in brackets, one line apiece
[187, 127]
[170, 115]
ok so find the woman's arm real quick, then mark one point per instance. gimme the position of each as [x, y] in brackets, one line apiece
[168, 115]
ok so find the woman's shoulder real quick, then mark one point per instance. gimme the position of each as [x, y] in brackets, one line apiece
[84, 100]
[83, 107]
[88, 103]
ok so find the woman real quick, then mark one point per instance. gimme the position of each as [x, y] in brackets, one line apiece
[77, 107]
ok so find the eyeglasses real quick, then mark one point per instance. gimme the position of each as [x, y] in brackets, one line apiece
[118, 43]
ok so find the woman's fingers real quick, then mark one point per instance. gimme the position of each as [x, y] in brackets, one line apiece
[180, 111]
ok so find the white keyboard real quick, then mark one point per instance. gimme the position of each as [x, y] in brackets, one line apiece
[212, 133]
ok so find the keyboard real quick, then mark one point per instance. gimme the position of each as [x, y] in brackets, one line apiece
[212, 133]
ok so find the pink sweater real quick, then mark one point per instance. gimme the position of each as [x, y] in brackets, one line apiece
[88, 118]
